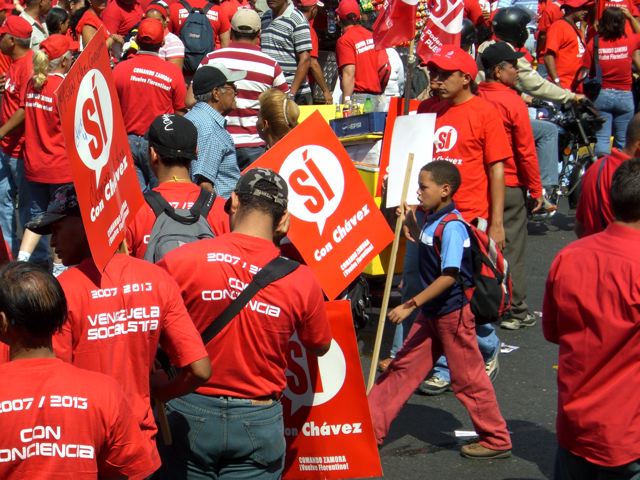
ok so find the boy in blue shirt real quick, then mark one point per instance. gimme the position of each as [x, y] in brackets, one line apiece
[445, 324]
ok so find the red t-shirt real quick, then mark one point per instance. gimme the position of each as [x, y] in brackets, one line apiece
[249, 354]
[179, 195]
[120, 18]
[590, 310]
[615, 58]
[45, 152]
[629, 5]
[147, 76]
[5, 62]
[471, 136]
[521, 170]
[115, 321]
[15, 87]
[473, 12]
[67, 422]
[91, 19]
[355, 47]
[549, 12]
[229, 8]
[568, 46]
[218, 19]
[595, 203]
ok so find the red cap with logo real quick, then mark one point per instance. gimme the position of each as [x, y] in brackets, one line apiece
[56, 46]
[577, 3]
[161, 7]
[150, 31]
[452, 58]
[345, 7]
[17, 27]
[309, 3]
[6, 6]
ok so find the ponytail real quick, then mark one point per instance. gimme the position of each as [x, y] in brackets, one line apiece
[40, 69]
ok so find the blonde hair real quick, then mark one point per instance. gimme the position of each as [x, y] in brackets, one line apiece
[42, 66]
[280, 112]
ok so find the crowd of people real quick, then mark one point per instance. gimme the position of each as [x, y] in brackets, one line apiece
[96, 360]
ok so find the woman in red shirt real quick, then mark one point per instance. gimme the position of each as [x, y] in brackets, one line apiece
[617, 51]
[46, 164]
[86, 21]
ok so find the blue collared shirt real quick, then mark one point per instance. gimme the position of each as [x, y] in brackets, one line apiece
[216, 152]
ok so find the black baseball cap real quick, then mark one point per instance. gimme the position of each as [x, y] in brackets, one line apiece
[499, 52]
[64, 203]
[173, 136]
[215, 75]
[249, 184]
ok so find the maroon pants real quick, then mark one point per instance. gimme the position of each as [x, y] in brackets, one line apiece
[454, 335]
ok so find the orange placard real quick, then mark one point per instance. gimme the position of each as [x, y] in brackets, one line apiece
[335, 223]
[103, 172]
[326, 414]
[396, 108]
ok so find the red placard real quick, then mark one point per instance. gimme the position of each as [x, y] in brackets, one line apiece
[103, 172]
[396, 23]
[326, 414]
[335, 224]
[396, 108]
[442, 27]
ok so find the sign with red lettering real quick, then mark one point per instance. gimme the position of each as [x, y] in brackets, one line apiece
[335, 223]
[442, 27]
[101, 162]
[326, 414]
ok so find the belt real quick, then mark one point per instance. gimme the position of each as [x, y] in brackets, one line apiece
[268, 400]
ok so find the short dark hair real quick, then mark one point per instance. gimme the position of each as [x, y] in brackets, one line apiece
[633, 131]
[55, 18]
[249, 202]
[149, 47]
[350, 19]
[235, 35]
[612, 23]
[168, 160]
[32, 299]
[444, 173]
[625, 191]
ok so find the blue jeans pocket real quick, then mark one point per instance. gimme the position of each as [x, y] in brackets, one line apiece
[185, 423]
[267, 440]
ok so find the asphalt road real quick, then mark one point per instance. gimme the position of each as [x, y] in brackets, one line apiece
[422, 444]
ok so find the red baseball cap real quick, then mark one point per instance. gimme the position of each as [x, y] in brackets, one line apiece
[150, 31]
[577, 3]
[17, 27]
[56, 46]
[159, 7]
[6, 6]
[452, 58]
[309, 3]
[345, 7]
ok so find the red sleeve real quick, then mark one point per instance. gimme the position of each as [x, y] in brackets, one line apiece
[588, 55]
[496, 144]
[314, 330]
[224, 24]
[314, 43]
[63, 340]
[179, 91]
[111, 17]
[633, 8]
[473, 12]
[555, 38]
[179, 337]
[219, 219]
[524, 148]
[545, 21]
[125, 452]
[345, 53]
[174, 10]
[549, 307]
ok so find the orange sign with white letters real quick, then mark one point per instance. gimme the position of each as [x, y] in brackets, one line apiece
[336, 225]
[327, 422]
[101, 162]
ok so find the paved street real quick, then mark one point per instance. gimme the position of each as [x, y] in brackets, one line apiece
[421, 443]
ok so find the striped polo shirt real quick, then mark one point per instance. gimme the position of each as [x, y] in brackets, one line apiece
[263, 73]
[283, 38]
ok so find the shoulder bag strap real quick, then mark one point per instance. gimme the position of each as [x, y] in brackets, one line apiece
[273, 271]
[203, 204]
[157, 202]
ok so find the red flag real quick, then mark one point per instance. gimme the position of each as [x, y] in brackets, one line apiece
[443, 27]
[396, 24]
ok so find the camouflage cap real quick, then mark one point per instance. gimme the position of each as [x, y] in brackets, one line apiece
[64, 203]
[253, 179]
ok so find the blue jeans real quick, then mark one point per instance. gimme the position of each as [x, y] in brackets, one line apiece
[411, 285]
[11, 176]
[616, 107]
[545, 135]
[140, 153]
[488, 342]
[247, 155]
[223, 438]
[40, 195]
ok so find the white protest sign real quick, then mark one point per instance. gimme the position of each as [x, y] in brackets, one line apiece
[411, 134]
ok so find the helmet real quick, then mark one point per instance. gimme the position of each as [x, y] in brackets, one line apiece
[510, 25]
[468, 35]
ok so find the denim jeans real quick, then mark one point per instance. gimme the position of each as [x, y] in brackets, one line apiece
[545, 135]
[223, 438]
[140, 153]
[247, 155]
[489, 345]
[40, 195]
[616, 107]
[572, 467]
[11, 174]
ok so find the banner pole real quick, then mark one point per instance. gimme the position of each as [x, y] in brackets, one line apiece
[389, 281]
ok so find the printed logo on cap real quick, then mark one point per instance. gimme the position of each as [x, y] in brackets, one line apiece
[445, 138]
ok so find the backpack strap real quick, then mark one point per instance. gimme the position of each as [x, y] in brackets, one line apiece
[186, 5]
[208, 6]
[273, 271]
[203, 204]
[157, 202]
[437, 235]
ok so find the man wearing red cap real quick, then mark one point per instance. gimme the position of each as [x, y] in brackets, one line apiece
[309, 9]
[358, 60]
[173, 49]
[159, 83]
[15, 40]
[121, 16]
[565, 44]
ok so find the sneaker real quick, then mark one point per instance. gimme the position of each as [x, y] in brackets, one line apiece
[384, 364]
[477, 451]
[492, 367]
[516, 324]
[434, 385]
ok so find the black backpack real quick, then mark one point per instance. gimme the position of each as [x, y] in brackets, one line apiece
[197, 35]
[176, 227]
